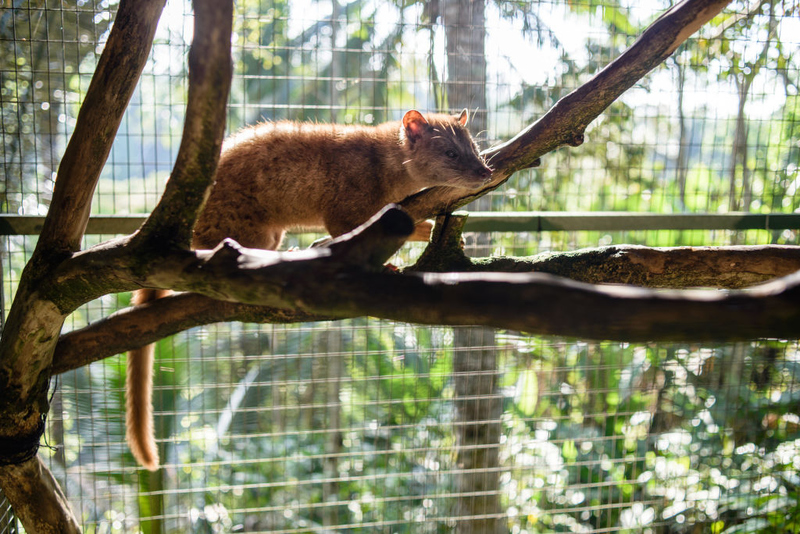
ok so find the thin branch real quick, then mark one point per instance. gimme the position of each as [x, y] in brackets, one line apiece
[565, 122]
[673, 267]
[135, 327]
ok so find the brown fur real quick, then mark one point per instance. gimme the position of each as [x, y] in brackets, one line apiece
[139, 391]
[276, 176]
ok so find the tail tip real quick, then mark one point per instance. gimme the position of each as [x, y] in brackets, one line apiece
[147, 460]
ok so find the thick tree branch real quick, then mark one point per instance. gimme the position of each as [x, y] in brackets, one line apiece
[113, 83]
[35, 320]
[565, 122]
[210, 71]
[537, 303]
[117, 265]
[37, 498]
[717, 267]
[366, 248]
[549, 305]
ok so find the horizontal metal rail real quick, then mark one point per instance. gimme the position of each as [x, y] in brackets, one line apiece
[544, 221]
[485, 221]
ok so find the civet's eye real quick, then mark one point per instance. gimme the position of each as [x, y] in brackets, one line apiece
[451, 154]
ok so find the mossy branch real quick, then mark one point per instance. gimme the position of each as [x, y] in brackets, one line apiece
[210, 71]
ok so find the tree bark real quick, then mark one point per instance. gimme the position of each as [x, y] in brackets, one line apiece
[37, 499]
[676, 267]
[34, 322]
[33, 325]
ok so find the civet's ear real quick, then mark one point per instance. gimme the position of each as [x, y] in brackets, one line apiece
[464, 117]
[415, 124]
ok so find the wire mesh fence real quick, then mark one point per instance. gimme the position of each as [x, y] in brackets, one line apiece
[371, 425]
[374, 426]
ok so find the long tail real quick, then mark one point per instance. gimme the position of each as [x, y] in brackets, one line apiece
[139, 391]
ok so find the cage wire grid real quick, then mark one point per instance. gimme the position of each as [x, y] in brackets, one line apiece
[375, 426]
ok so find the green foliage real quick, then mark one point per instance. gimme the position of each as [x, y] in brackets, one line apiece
[283, 68]
[691, 430]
